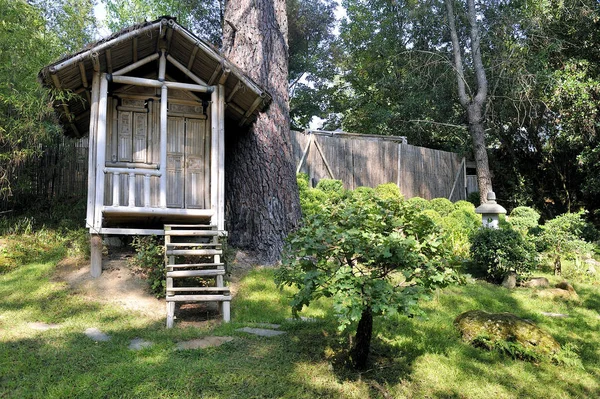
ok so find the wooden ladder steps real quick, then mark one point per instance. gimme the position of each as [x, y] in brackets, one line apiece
[193, 233]
[198, 252]
[195, 265]
[199, 289]
[194, 244]
[196, 273]
[198, 298]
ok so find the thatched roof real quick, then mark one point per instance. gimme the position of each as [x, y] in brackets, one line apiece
[74, 72]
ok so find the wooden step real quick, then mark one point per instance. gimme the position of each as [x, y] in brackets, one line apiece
[194, 233]
[193, 244]
[190, 265]
[205, 226]
[195, 273]
[198, 298]
[199, 289]
[199, 252]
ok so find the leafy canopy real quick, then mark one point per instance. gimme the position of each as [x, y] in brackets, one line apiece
[366, 249]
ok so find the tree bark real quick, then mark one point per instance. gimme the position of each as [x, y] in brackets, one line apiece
[262, 203]
[362, 343]
[473, 103]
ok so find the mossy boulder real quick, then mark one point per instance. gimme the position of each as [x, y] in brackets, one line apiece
[505, 328]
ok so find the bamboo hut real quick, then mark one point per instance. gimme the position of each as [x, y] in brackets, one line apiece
[153, 100]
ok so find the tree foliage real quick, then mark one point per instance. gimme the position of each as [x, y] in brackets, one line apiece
[371, 252]
[32, 34]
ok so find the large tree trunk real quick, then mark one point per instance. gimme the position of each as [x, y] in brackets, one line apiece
[362, 343]
[262, 204]
[473, 103]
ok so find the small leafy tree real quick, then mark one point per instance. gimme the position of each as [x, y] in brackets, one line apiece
[369, 251]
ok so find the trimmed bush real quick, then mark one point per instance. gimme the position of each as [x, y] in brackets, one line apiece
[523, 218]
[496, 252]
[443, 206]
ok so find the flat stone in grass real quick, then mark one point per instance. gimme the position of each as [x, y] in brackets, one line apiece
[551, 314]
[137, 344]
[540, 282]
[562, 290]
[507, 327]
[202, 343]
[261, 332]
[96, 335]
[43, 326]
[268, 325]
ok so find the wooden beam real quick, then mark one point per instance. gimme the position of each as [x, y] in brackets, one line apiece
[186, 71]
[324, 159]
[95, 255]
[100, 151]
[95, 61]
[130, 80]
[192, 57]
[214, 75]
[310, 140]
[108, 55]
[149, 172]
[136, 65]
[162, 67]
[250, 110]
[134, 50]
[84, 80]
[224, 76]
[91, 194]
[238, 86]
[214, 155]
[97, 49]
[221, 199]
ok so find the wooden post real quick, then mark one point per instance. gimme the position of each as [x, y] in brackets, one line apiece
[100, 152]
[91, 195]
[131, 189]
[163, 131]
[221, 183]
[96, 255]
[214, 154]
[116, 189]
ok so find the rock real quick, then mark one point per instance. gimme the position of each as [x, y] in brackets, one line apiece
[43, 326]
[563, 285]
[557, 293]
[137, 344]
[202, 343]
[505, 327]
[510, 280]
[551, 314]
[541, 282]
[113, 241]
[262, 332]
[96, 335]
[591, 265]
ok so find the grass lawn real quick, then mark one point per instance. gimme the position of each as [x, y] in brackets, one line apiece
[413, 358]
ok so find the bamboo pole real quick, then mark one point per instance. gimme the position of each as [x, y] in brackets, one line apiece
[136, 65]
[186, 71]
[101, 151]
[130, 80]
[214, 154]
[221, 116]
[91, 193]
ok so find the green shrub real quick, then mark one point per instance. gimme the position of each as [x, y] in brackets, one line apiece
[496, 252]
[418, 203]
[523, 219]
[462, 204]
[474, 199]
[330, 186]
[443, 206]
[389, 191]
[460, 225]
[149, 257]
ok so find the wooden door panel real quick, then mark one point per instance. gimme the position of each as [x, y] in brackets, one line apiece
[175, 162]
[194, 152]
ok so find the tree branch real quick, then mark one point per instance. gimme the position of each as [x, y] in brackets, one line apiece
[458, 65]
[482, 84]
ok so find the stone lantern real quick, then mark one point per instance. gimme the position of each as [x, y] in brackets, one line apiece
[490, 211]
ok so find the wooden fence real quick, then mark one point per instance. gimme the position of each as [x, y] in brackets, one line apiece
[369, 160]
[61, 171]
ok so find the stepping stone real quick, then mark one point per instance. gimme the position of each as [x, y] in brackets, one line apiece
[43, 326]
[202, 343]
[96, 335]
[267, 325]
[261, 332]
[137, 344]
[550, 314]
[303, 318]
